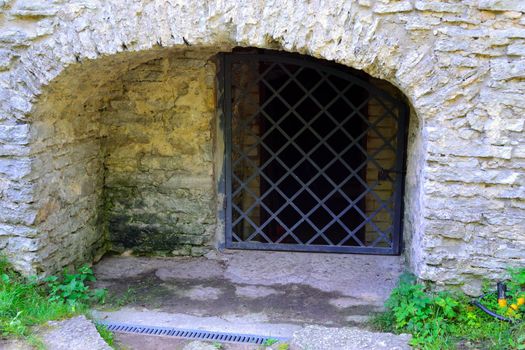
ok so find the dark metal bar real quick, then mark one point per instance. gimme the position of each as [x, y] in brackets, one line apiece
[313, 64]
[226, 89]
[399, 185]
[311, 247]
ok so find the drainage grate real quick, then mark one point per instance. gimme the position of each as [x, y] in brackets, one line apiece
[189, 333]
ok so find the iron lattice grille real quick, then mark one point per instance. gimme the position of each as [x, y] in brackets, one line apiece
[314, 156]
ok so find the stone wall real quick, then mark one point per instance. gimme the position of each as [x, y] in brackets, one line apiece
[117, 145]
[156, 132]
[461, 64]
[66, 179]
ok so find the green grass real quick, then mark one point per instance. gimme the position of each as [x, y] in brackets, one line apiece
[217, 345]
[446, 320]
[106, 334]
[270, 341]
[25, 303]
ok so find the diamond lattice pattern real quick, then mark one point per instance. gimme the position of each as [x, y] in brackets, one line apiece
[313, 158]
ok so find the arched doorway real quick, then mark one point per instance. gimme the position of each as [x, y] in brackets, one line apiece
[130, 144]
[314, 157]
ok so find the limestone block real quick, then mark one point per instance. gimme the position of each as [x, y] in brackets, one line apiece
[507, 177]
[19, 103]
[15, 168]
[504, 70]
[23, 244]
[320, 338]
[74, 333]
[502, 5]
[14, 150]
[516, 49]
[198, 345]
[17, 230]
[518, 152]
[461, 149]
[452, 44]
[513, 125]
[392, 6]
[436, 6]
[19, 194]
[511, 33]
[32, 8]
[14, 134]
[507, 252]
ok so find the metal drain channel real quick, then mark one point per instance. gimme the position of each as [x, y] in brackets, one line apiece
[189, 333]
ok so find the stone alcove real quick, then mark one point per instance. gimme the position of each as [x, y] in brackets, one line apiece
[129, 156]
[124, 145]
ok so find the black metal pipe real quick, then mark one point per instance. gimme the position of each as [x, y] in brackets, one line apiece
[502, 294]
[491, 313]
[502, 291]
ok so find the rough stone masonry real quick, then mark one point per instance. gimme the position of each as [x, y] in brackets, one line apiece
[100, 101]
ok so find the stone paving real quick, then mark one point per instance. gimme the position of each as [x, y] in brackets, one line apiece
[274, 294]
[77, 333]
[308, 338]
[322, 338]
[256, 287]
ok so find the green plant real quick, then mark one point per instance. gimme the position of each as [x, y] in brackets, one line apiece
[515, 308]
[270, 341]
[517, 276]
[129, 296]
[72, 288]
[440, 320]
[424, 315]
[24, 302]
[106, 334]
[516, 286]
[519, 343]
[218, 345]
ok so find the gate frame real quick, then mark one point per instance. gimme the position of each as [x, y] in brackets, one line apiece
[224, 104]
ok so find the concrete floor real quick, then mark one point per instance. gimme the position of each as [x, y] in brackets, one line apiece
[257, 292]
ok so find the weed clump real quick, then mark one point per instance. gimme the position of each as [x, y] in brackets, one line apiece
[447, 320]
[25, 302]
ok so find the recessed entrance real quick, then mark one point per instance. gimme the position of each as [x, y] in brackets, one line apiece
[314, 155]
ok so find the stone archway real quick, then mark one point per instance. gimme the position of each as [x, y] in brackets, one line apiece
[77, 44]
[124, 145]
[450, 84]
[123, 151]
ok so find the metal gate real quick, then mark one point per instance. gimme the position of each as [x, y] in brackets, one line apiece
[314, 156]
